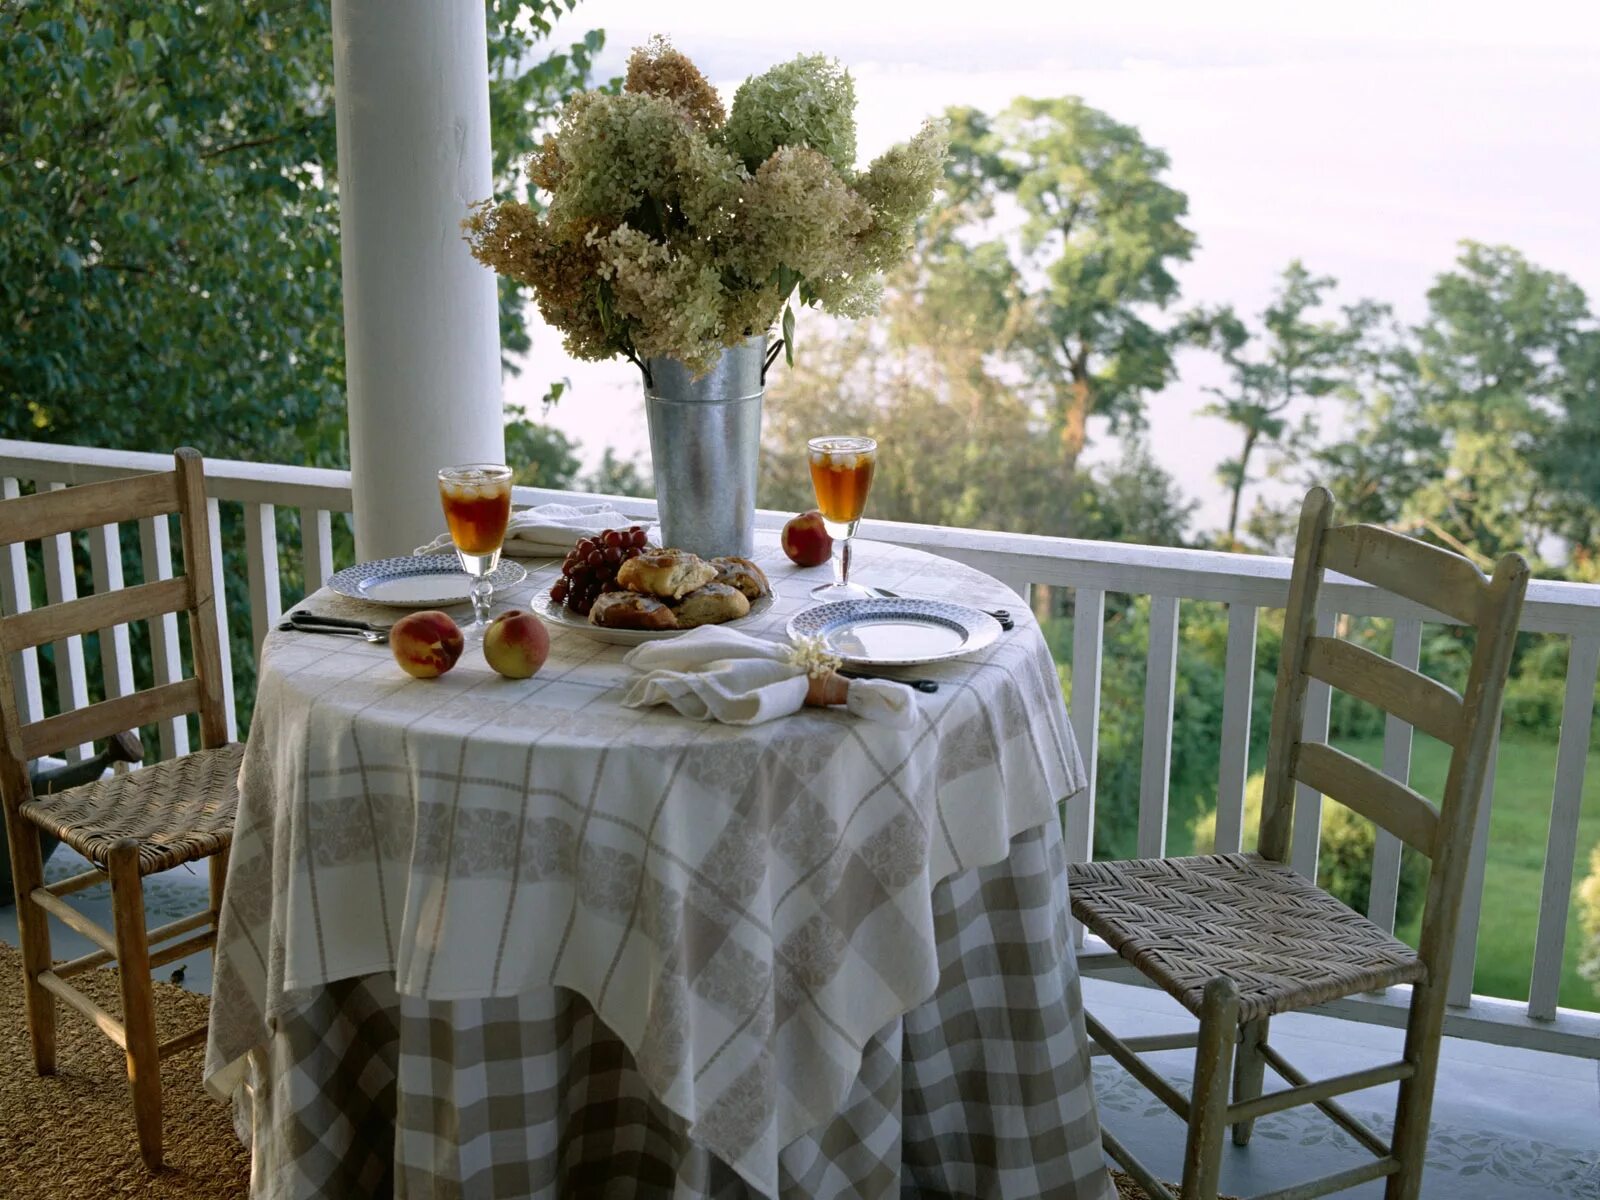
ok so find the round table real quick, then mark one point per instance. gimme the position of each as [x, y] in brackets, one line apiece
[506, 930]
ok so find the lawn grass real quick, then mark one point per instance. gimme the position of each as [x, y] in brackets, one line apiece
[1514, 873]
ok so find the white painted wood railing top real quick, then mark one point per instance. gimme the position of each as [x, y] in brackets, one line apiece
[1244, 583]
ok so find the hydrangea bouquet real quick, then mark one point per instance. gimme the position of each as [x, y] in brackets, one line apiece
[675, 230]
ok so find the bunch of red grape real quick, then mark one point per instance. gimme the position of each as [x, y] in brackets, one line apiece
[591, 567]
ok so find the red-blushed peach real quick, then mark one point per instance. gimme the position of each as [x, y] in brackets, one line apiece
[426, 644]
[516, 644]
[806, 540]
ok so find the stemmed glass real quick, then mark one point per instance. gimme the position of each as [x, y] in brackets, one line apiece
[841, 473]
[477, 506]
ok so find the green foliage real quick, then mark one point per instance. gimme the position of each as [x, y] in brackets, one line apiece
[615, 476]
[1101, 233]
[1589, 920]
[543, 457]
[660, 242]
[1344, 857]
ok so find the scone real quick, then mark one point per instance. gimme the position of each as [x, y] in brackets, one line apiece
[629, 610]
[742, 574]
[669, 574]
[711, 605]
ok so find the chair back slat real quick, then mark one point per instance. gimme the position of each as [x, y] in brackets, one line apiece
[1417, 700]
[101, 611]
[1423, 574]
[144, 498]
[111, 716]
[1389, 803]
[45, 514]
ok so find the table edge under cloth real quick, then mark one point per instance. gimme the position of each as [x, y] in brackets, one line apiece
[1017, 816]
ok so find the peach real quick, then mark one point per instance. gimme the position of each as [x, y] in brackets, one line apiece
[426, 644]
[516, 644]
[806, 540]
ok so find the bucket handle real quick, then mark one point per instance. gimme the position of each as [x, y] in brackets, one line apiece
[772, 356]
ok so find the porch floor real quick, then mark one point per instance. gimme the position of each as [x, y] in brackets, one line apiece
[1508, 1124]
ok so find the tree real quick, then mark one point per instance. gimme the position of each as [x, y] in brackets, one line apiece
[1101, 233]
[543, 457]
[1294, 357]
[614, 476]
[170, 265]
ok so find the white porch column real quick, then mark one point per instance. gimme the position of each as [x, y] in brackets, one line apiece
[422, 340]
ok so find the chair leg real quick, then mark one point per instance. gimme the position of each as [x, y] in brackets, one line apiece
[217, 870]
[1208, 1104]
[1414, 1108]
[1249, 1068]
[33, 931]
[138, 999]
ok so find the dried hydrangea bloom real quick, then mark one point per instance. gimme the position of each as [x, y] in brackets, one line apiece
[849, 296]
[657, 69]
[673, 300]
[898, 187]
[515, 241]
[809, 101]
[797, 213]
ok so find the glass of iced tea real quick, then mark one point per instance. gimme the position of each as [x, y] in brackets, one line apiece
[477, 506]
[841, 473]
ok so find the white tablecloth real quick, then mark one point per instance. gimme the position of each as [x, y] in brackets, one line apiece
[745, 908]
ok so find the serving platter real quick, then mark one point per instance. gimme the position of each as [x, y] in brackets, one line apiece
[418, 580]
[897, 632]
[561, 617]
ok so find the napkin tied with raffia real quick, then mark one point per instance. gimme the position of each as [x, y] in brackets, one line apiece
[547, 530]
[717, 674]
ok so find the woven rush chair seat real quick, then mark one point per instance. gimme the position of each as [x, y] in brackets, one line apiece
[178, 811]
[1284, 942]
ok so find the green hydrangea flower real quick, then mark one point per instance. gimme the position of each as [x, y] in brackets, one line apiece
[809, 101]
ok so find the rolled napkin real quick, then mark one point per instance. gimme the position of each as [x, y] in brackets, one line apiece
[547, 530]
[717, 674]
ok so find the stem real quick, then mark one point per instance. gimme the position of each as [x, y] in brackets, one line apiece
[841, 564]
[482, 594]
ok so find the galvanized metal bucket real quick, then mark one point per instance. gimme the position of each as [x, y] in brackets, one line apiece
[705, 447]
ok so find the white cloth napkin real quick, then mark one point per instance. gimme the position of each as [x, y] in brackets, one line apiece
[717, 674]
[548, 530]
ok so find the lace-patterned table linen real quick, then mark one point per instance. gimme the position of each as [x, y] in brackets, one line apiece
[744, 907]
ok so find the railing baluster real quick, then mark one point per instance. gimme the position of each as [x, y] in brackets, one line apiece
[166, 653]
[219, 575]
[17, 597]
[1383, 897]
[1155, 774]
[316, 547]
[1307, 838]
[61, 585]
[1088, 636]
[1466, 952]
[116, 654]
[1561, 848]
[261, 565]
[1238, 690]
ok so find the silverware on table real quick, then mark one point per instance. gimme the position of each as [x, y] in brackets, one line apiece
[1002, 615]
[303, 617]
[921, 685]
[377, 635]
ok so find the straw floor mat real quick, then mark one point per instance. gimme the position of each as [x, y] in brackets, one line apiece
[70, 1136]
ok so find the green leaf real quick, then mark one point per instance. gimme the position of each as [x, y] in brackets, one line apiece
[788, 334]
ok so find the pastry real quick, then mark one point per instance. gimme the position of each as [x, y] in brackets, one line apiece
[742, 574]
[629, 610]
[711, 605]
[669, 574]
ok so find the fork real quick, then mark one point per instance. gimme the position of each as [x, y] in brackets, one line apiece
[376, 636]
[1003, 616]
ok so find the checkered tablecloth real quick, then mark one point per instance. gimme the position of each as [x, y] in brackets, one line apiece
[741, 915]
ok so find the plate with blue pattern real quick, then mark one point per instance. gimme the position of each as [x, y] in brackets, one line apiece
[896, 633]
[418, 580]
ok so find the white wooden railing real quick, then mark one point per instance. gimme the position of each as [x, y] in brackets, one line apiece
[1245, 584]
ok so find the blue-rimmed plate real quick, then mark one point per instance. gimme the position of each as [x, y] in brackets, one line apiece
[418, 580]
[896, 633]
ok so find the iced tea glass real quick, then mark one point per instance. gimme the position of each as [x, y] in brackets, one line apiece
[841, 473]
[477, 506]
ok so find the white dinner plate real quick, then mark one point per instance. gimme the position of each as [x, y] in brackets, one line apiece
[418, 580]
[896, 633]
[561, 617]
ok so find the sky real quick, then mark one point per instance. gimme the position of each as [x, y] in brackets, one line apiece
[1366, 138]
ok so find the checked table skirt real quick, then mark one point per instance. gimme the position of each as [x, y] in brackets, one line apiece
[984, 1090]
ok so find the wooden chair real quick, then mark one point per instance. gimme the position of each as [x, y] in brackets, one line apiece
[129, 825]
[1239, 938]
